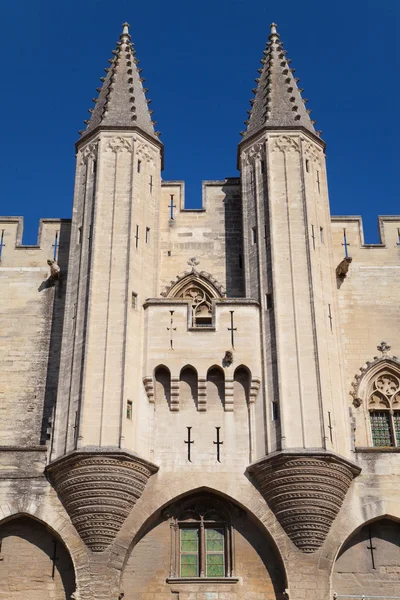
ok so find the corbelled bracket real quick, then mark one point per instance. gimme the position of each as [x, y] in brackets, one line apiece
[305, 490]
[98, 488]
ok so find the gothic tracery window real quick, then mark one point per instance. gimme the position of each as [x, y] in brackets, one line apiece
[201, 307]
[384, 409]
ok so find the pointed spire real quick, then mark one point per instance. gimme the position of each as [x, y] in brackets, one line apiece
[277, 102]
[122, 99]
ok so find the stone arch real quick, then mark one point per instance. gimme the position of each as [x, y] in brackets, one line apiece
[241, 385]
[367, 563]
[256, 553]
[188, 387]
[162, 381]
[189, 278]
[215, 388]
[35, 561]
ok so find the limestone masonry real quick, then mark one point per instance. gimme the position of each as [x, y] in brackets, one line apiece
[200, 404]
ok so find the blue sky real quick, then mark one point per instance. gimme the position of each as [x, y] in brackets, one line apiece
[199, 60]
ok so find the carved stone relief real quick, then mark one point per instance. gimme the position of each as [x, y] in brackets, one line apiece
[89, 152]
[305, 492]
[285, 143]
[118, 144]
[98, 491]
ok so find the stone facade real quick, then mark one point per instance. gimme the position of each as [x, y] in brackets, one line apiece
[200, 405]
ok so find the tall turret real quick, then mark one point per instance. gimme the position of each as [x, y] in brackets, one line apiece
[112, 268]
[289, 269]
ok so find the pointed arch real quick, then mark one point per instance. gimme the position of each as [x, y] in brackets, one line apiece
[35, 562]
[377, 390]
[367, 562]
[188, 386]
[162, 379]
[215, 387]
[254, 557]
[203, 279]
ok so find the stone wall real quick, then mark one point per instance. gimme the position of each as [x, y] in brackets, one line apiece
[212, 234]
[34, 564]
[31, 326]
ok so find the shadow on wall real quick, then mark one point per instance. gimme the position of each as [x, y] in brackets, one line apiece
[233, 242]
[34, 563]
[57, 324]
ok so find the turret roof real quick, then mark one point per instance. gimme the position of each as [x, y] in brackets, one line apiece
[277, 102]
[122, 99]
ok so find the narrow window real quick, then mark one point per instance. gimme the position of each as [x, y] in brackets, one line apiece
[380, 427]
[215, 552]
[254, 235]
[189, 552]
[307, 165]
[147, 235]
[262, 166]
[240, 262]
[268, 298]
[134, 300]
[321, 235]
[318, 183]
[275, 411]
[137, 237]
[151, 184]
[94, 167]
[169, 253]
[129, 410]
[139, 165]
[80, 235]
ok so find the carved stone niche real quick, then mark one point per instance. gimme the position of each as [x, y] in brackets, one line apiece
[305, 491]
[98, 488]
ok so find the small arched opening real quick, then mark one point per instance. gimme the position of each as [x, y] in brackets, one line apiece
[215, 388]
[188, 387]
[162, 377]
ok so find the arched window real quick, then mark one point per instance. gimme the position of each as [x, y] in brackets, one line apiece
[384, 408]
[203, 537]
[200, 289]
[201, 307]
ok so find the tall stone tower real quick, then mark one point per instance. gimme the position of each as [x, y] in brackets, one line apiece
[289, 269]
[115, 211]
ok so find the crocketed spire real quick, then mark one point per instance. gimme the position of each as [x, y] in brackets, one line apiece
[122, 98]
[277, 101]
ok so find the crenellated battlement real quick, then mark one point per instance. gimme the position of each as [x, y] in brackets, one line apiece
[386, 251]
[53, 241]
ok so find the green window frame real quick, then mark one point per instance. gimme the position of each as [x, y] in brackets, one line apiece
[202, 550]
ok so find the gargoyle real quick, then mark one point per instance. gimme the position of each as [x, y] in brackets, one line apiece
[343, 267]
[55, 271]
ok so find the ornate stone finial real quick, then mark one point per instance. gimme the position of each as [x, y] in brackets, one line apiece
[384, 348]
[125, 30]
[193, 262]
[273, 29]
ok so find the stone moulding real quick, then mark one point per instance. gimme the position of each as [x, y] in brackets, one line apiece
[98, 489]
[305, 490]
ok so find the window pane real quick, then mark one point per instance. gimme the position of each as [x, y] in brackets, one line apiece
[380, 426]
[189, 552]
[215, 552]
[396, 418]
